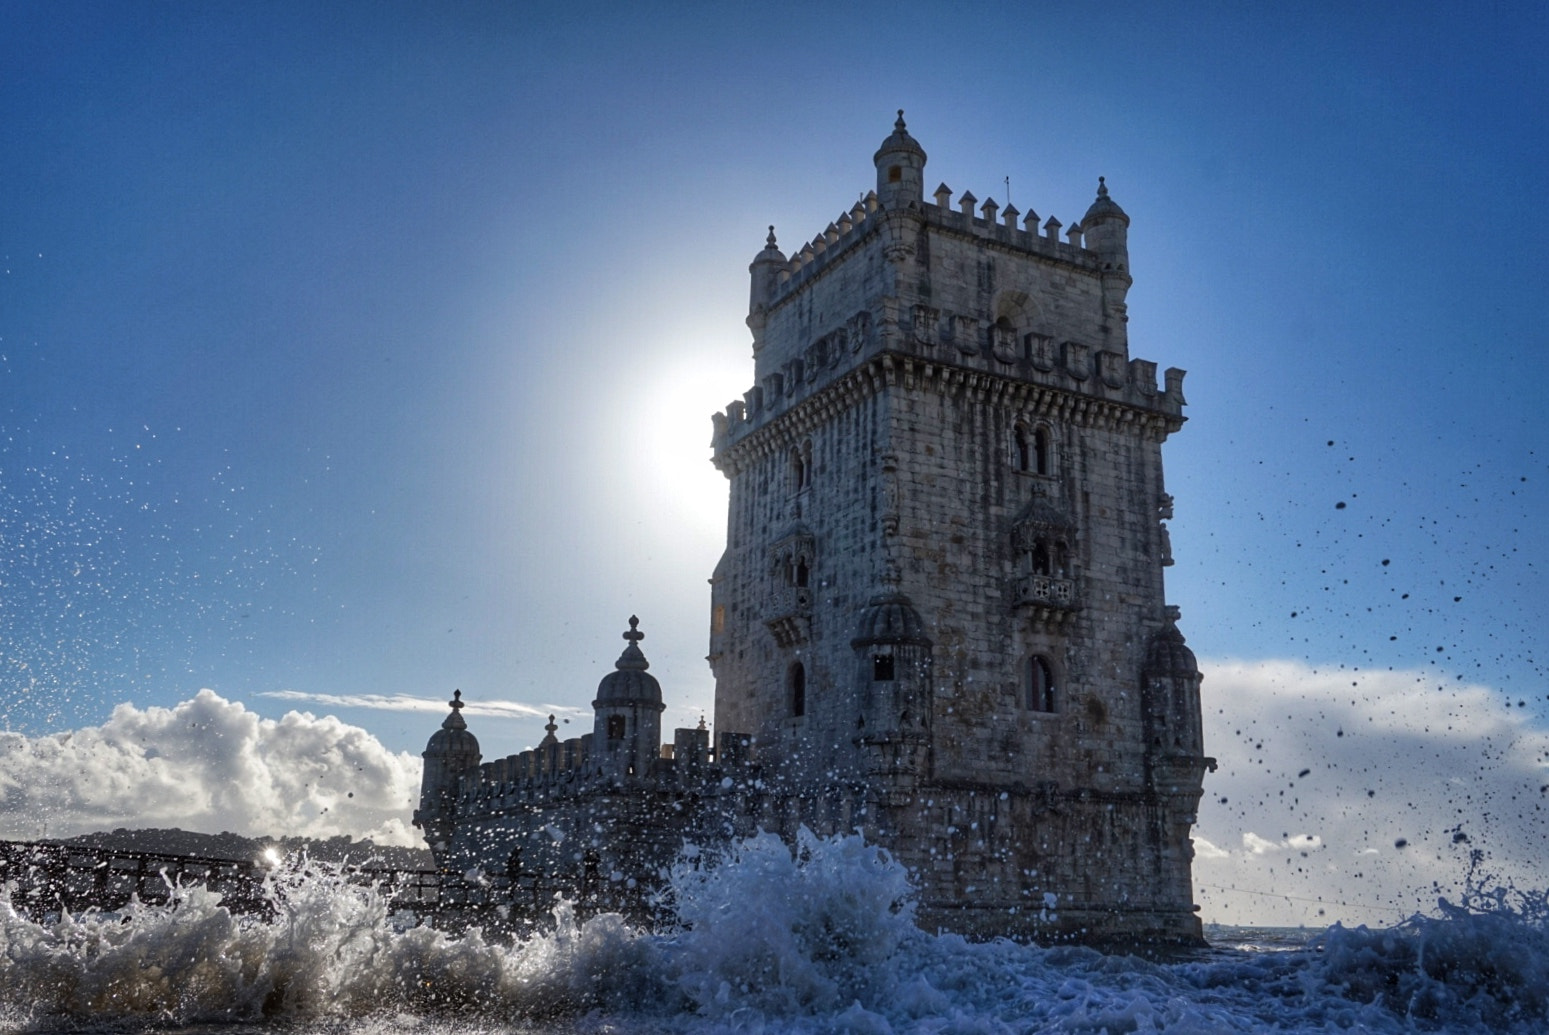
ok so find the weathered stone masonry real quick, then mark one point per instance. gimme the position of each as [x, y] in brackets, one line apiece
[940, 616]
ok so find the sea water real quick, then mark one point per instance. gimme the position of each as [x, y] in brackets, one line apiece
[766, 940]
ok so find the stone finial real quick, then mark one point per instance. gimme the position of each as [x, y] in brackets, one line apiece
[1009, 216]
[552, 727]
[943, 196]
[633, 657]
[967, 203]
[899, 123]
[455, 720]
[1073, 235]
[989, 208]
[1030, 221]
[769, 242]
[1052, 228]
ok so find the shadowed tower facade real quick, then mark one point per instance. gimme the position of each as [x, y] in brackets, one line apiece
[940, 617]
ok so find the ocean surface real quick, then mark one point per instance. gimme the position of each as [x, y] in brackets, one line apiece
[766, 943]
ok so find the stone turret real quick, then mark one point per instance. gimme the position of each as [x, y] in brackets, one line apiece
[893, 688]
[764, 270]
[1106, 229]
[900, 163]
[1171, 696]
[626, 737]
[451, 754]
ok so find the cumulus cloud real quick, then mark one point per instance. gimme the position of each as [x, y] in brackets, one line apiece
[208, 765]
[1361, 796]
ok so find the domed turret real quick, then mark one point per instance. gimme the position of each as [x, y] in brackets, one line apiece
[453, 738]
[451, 753]
[893, 661]
[1170, 695]
[626, 735]
[900, 163]
[1106, 229]
[630, 683]
[1169, 656]
[764, 270]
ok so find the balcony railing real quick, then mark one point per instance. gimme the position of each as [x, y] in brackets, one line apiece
[1046, 591]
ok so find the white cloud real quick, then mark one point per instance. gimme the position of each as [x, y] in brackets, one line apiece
[208, 765]
[407, 703]
[1360, 796]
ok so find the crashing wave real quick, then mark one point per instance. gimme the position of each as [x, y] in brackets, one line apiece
[766, 938]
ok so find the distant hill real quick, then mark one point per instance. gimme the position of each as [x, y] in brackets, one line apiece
[235, 846]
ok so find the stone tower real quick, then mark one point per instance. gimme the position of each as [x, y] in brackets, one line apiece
[940, 615]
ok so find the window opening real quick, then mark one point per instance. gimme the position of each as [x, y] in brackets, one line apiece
[798, 682]
[1042, 458]
[1040, 684]
[1024, 449]
[801, 572]
[615, 727]
[882, 668]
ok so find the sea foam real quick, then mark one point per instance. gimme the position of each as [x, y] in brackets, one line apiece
[759, 938]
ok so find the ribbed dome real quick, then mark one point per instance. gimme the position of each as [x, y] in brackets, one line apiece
[1103, 208]
[453, 737]
[1169, 656]
[631, 684]
[890, 619]
[899, 140]
[771, 252]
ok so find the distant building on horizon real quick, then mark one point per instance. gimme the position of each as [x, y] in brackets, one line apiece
[940, 618]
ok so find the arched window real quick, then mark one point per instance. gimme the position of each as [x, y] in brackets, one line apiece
[882, 668]
[616, 727]
[1043, 459]
[1040, 684]
[802, 572]
[1024, 448]
[796, 680]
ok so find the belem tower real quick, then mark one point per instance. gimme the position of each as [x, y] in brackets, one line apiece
[940, 617]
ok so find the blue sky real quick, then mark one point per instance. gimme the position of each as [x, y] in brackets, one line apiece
[351, 354]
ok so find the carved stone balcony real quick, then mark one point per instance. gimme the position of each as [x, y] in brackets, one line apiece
[790, 615]
[1049, 598]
